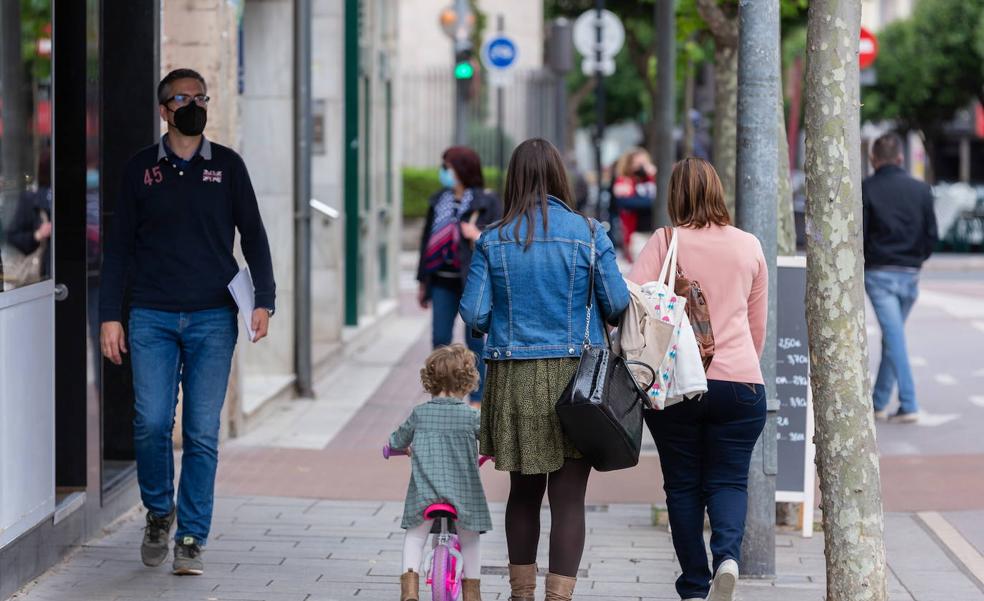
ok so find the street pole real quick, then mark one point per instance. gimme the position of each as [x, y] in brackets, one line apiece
[302, 198]
[499, 116]
[561, 55]
[666, 103]
[757, 188]
[461, 43]
[602, 197]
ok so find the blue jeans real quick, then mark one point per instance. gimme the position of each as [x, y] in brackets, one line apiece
[892, 294]
[445, 301]
[195, 350]
[705, 448]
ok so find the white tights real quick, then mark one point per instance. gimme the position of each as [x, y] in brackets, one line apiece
[416, 540]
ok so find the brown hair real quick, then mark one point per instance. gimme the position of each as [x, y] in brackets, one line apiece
[450, 369]
[466, 164]
[535, 171]
[624, 164]
[696, 195]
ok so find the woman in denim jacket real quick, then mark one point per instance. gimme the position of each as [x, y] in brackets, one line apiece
[527, 288]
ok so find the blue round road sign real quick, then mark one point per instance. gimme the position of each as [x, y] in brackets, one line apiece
[499, 52]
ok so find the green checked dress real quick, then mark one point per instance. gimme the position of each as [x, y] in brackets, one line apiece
[442, 433]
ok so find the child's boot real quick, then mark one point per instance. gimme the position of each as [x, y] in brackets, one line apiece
[560, 588]
[470, 590]
[410, 586]
[522, 580]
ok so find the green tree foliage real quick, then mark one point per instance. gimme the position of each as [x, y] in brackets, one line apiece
[929, 66]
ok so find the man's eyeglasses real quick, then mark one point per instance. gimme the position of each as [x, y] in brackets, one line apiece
[185, 99]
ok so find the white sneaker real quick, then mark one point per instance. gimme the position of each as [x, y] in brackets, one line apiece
[725, 580]
[881, 416]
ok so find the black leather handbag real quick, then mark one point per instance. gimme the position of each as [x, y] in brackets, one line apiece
[601, 409]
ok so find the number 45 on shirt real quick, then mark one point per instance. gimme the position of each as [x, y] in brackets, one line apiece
[153, 176]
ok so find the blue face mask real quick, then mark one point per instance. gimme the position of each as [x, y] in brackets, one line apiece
[447, 177]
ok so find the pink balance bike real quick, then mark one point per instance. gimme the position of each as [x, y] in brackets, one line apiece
[445, 560]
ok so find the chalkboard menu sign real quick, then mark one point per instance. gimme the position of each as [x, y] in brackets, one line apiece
[795, 480]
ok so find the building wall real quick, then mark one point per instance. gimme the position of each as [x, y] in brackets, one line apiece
[204, 35]
[267, 131]
[258, 121]
[876, 14]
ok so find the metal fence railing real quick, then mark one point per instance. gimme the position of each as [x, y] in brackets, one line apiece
[427, 114]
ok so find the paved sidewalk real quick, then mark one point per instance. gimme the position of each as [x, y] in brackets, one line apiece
[288, 549]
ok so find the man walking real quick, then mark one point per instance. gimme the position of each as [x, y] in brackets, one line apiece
[171, 244]
[899, 235]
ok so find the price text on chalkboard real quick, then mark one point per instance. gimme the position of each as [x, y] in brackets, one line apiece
[792, 378]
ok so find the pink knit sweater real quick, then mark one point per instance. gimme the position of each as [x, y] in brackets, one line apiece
[730, 267]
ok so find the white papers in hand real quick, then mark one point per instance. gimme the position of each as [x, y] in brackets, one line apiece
[241, 288]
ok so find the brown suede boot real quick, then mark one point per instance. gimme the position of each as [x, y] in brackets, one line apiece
[522, 580]
[560, 588]
[470, 589]
[410, 586]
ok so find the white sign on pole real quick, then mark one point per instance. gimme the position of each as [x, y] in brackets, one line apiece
[586, 40]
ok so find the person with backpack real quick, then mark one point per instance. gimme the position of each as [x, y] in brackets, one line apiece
[456, 216]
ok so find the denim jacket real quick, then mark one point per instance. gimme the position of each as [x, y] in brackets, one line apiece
[531, 301]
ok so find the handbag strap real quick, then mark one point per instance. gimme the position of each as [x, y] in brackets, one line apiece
[591, 273]
[668, 273]
[666, 236]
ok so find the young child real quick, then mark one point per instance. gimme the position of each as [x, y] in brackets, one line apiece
[442, 437]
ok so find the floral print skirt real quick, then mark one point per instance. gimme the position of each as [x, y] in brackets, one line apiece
[520, 427]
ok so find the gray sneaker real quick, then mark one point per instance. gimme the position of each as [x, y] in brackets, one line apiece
[188, 557]
[157, 534]
[725, 580]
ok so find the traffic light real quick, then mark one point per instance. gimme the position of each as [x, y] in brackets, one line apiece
[463, 66]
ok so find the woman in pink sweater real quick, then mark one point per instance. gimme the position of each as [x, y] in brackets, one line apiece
[705, 445]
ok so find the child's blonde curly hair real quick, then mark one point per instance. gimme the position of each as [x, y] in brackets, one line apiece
[450, 369]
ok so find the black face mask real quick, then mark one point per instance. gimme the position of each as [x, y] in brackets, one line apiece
[641, 173]
[190, 119]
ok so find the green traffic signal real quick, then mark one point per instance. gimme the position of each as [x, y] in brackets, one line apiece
[464, 70]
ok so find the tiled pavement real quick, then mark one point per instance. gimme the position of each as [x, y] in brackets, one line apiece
[289, 549]
[299, 546]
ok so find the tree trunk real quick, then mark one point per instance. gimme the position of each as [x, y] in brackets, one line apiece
[786, 234]
[847, 455]
[726, 119]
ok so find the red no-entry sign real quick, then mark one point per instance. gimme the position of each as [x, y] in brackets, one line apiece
[867, 48]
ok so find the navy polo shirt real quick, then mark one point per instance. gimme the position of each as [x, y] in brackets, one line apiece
[170, 240]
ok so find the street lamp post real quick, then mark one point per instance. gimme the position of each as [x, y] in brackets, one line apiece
[757, 187]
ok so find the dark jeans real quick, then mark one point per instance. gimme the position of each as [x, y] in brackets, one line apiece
[705, 447]
[194, 350]
[445, 301]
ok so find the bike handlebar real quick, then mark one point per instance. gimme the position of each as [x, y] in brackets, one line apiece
[389, 451]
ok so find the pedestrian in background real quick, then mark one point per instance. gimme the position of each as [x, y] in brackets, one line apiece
[171, 243]
[31, 226]
[633, 192]
[899, 235]
[456, 216]
[705, 445]
[527, 289]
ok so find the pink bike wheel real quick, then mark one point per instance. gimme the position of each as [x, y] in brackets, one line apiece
[442, 575]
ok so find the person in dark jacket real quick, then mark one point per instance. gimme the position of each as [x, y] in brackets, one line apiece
[899, 235]
[31, 224]
[456, 216]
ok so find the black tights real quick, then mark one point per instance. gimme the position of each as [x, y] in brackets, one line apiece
[566, 489]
